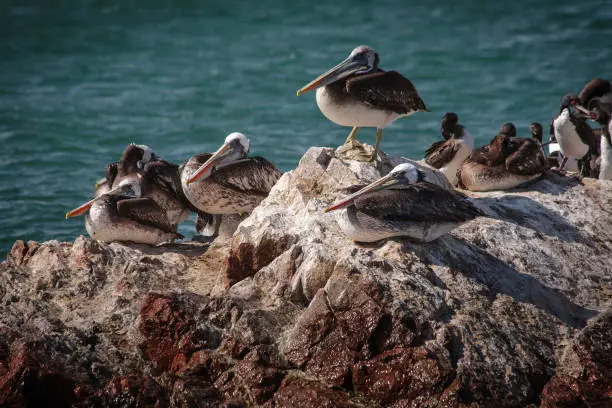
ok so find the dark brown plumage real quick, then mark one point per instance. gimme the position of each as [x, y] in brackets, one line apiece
[386, 90]
[144, 211]
[595, 88]
[417, 202]
[441, 153]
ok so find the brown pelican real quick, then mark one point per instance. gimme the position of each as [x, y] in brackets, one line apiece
[576, 139]
[447, 155]
[358, 93]
[601, 111]
[228, 181]
[159, 180]
[122, 215]
[504, 163]
[402, 203]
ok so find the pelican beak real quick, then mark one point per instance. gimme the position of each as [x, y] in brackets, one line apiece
[81, 209]
[582, 109]
[219, 154]
[342, 70]
[380, 184]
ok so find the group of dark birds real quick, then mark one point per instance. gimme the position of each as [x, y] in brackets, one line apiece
[143, 198]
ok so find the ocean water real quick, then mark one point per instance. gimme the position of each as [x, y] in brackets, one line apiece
[80, 79]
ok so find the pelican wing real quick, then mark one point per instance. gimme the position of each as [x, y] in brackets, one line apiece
[418, 202]
[164, 174]
[254, 175]
[386, 90]
[145, 211]
[441, 153]
[527, 157]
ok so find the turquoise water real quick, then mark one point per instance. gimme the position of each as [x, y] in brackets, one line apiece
[81, 79]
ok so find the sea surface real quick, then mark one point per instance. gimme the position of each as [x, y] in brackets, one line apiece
[80, 79]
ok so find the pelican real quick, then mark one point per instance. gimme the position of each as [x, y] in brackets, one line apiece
[122, 215]
[228, 181]
[601, 112]
[447, 155]
[357, 93]
[504, 163]
[576, 139]
[159, 180]
[402, 203]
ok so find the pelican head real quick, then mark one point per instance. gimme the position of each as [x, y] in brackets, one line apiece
[235, 147]
[128, 188]
[404, 173]
[536, 131]
[361, 60]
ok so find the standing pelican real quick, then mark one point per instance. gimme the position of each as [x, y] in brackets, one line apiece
[402, 203]
[447, 155]
[504, 163]
[122, 215]
[228, 181]
[358, 93]
[576, 139]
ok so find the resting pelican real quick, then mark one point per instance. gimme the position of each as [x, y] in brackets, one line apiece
[121, 214]
[228, 181]
[358, 93]
[402, 203]
[504, 163]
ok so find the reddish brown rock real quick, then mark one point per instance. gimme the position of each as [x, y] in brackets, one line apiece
[401, 374]
[171, 334]
[299, 392]
[584, 376]
[132, 390]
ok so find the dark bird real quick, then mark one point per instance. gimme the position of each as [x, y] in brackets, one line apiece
[575, 137]
[402, 203]
[504, 163]
[448, 154]
[121, 214]
[595, 88]
[228, 181]
[536, 130]
[357, 93]
[508, 129]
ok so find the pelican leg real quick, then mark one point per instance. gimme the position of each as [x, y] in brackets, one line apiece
[377, 147]
[351, 136]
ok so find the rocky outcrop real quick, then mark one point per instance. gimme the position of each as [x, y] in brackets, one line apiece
[507, 310]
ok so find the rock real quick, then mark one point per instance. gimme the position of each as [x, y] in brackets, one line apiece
[509, 310]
